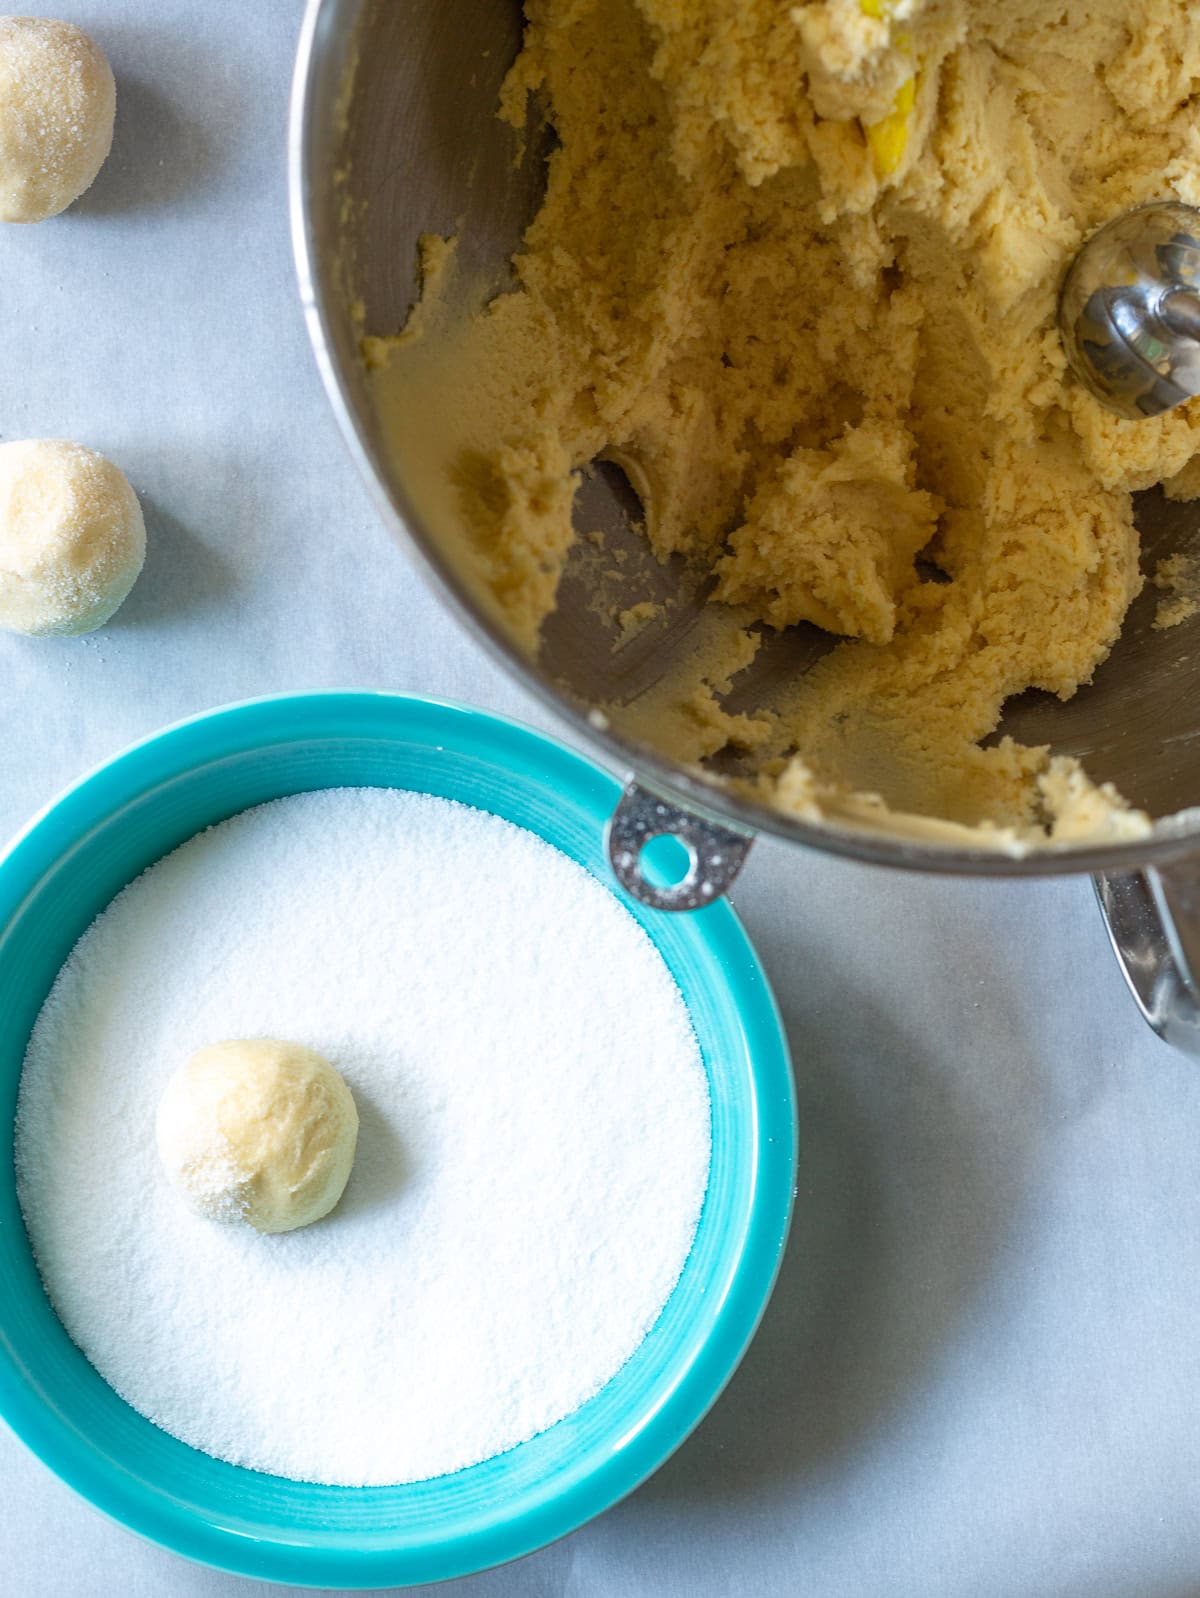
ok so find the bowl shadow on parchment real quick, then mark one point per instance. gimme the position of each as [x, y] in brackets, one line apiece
[885, 1257]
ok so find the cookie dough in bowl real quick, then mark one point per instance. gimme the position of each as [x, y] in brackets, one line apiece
[795, 272]
[259, 1131]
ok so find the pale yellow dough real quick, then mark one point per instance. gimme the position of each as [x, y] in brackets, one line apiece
[57, 105]
[796, 270]
[259, 1131]
[72, 537]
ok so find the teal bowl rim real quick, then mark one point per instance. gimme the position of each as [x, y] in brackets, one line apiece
[59, 828]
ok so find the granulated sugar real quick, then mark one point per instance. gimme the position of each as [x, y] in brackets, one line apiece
[533, 1150]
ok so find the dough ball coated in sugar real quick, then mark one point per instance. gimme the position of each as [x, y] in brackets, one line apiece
[260, 1131]
[57, 103]
[72, 538]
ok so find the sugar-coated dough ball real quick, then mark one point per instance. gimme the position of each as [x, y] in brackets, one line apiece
[260, 1131]
[72, 538]
[57, 103]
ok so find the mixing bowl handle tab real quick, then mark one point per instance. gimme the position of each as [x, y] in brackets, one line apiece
[1153, 920]
[717, 853]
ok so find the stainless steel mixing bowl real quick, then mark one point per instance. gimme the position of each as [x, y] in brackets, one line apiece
[394, 134]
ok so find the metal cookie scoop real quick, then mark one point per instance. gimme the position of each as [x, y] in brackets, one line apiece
[1130, 310]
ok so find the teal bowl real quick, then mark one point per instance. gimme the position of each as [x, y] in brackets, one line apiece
[62, 871]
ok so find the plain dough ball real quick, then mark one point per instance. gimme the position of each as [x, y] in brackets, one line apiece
[57, 103]
[258, 1130]
[72, 538]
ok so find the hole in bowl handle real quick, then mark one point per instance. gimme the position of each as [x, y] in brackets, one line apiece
[1153, 919]
[717, 853]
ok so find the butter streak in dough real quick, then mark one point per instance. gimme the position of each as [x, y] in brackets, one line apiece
[820, 350]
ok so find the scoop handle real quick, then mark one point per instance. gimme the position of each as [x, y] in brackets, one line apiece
[1180, 310]
[1153, 919]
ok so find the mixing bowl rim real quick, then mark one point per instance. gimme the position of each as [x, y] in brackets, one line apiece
[1170, 840]
[162, 1519]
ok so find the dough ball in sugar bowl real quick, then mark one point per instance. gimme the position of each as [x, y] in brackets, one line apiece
[57, 103]
[258, 1130]
[72, 538]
